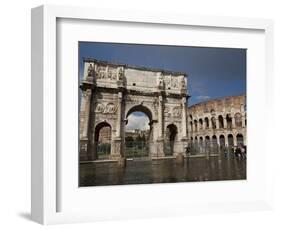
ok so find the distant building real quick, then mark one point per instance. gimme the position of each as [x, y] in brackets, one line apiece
[219, 122]
[135, 133]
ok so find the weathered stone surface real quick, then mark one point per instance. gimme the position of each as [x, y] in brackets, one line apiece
[218, 121]
[111, 92]
[179, 158]
[122, 162]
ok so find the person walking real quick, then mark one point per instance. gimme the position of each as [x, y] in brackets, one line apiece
[243, 151]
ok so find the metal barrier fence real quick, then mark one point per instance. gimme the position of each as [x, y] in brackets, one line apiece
[210, 148]
[172, 147]
[139, 149]
[103, 150]
[135, 149]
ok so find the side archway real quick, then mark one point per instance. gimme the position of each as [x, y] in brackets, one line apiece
[221, 123]
[102, 140]
[171, 138]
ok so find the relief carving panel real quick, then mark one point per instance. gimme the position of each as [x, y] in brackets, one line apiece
[177, 112]
[108, 108]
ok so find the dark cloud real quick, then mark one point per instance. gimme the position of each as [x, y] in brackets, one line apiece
[213, 72]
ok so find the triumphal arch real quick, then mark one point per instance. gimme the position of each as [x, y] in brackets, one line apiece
[111, 92]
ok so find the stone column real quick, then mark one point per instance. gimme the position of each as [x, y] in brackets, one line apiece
[234, 140]
[184, 139]
[233, 122]
[184, 117]
[226, 144]
[119, 115]
[85, 112]
[245, 138]
[226, 141]
[160, 140]
[217, 123]
[204, 124]
[243, 121]
[160, 117]
[194, 130]
[116, 154]
[203, 145]
[225, 123]
[84, 124]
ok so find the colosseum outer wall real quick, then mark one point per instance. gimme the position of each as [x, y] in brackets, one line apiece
[220, 122]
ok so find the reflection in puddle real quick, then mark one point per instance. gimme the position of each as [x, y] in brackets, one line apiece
[162, 171]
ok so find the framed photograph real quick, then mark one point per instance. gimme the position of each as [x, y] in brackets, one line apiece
[141, 114]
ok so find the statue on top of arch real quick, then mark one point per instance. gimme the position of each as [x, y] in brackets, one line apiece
[183, 84]
[160, 81]
[120, 74]
[90, 70]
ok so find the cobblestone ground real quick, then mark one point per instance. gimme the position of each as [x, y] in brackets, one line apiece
[162, 171]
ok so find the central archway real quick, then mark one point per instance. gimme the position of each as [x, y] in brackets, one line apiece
[138, 132]
[140, 108]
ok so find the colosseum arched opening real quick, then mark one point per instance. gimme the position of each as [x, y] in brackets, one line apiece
[239, 139]
[213, 121]
[191, 126]
[207, 144]
[238, 120]
[221, 126]
[214, 144]
[201, 145]
[228, 121]
[206, 122]
[222, 141]
[200, 124]
[195, 126]
[230, 140]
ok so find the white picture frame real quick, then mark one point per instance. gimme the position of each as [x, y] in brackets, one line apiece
[46, 182]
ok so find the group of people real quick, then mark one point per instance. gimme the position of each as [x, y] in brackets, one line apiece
[239, 151]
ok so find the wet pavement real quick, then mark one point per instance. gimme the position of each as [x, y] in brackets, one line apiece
[162, 171]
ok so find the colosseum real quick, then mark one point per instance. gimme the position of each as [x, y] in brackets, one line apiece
[217, 125]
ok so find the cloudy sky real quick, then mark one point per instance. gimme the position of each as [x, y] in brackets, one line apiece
[212, 72]
[137, 120]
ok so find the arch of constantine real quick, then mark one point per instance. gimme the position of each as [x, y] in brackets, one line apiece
[111, 92]
[220, 123]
